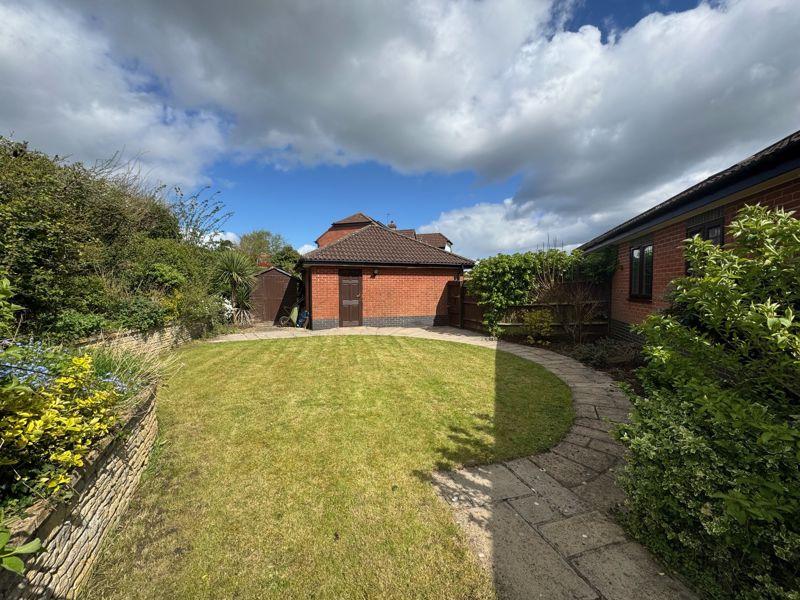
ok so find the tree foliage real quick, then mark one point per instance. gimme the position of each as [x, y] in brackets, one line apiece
[714, 440]
[262, 243]
[287, 258]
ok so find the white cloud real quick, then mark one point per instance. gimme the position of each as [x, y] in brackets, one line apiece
[305, 248]
[229, 236]
[61, 90]
[499, 88]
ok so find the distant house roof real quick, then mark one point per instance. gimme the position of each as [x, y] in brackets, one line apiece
[278, 269]
[780, 157]
[434, 239]
[379, 245]
[358, 217]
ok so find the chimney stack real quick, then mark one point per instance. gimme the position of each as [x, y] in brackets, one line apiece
[392, 225]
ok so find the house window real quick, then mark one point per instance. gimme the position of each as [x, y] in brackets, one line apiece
[713, 231]
[642, 271]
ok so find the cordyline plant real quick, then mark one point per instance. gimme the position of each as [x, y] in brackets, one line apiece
[712, 475]
[235, 272]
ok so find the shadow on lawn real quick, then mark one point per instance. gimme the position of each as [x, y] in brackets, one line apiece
[490, 512]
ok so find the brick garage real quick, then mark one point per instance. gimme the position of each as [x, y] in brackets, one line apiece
[770, 178]
[393, 297]
[396, 279]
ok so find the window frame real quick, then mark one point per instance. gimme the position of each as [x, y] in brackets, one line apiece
[701, 229]
[641, 288]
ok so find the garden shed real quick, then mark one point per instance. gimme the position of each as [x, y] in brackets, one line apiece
[275, 290]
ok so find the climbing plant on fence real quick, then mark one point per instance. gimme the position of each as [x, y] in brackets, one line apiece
[712, 477]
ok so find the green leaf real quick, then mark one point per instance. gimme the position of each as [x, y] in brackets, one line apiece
[4, 537]
[29, 548]
[14, 564]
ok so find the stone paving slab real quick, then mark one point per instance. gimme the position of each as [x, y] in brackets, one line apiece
[601, 492]
[583, 532]
[541, 524]
[479, 485]
[594, 459]
[628, 572]
[523, 564]
[566, 471]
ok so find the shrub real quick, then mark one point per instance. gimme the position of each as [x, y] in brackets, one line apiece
[142, 314]
[165, 277]
[53, 407]
[199, 311]
[507, 280]
[73, 325]
[8, 309]
[538, 325]
[714, 440]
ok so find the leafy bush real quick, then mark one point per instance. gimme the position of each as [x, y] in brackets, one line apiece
[53, 407]
[71, 325]
[94, 248]
[165, 277]
[142, 314]
[506, 280]
[712, 477]
[8, 309]
[11, 556]
[199, 311]
[538, 325]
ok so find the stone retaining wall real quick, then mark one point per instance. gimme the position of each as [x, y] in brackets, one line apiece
[73, 532]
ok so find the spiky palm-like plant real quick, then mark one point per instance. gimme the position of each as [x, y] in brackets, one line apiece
[236, 272]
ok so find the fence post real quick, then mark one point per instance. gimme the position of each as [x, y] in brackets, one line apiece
[461, 292]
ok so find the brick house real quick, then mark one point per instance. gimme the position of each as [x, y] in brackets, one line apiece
[368, 273]
[650, 245]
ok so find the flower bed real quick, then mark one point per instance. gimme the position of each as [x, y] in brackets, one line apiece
[73, 530]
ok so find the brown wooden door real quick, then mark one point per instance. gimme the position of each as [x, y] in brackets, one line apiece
[349, 297]
[454, 291]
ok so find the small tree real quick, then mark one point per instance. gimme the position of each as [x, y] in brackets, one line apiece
[235, 272]
[287, 258]
[712, 474]
[262, 243]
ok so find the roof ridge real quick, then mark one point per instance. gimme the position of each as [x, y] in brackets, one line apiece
[347, 236]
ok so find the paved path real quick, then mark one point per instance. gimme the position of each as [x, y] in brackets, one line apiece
[541, 524]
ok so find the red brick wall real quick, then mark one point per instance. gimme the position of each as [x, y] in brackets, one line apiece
[393, 292]
[339, 232]
[668, 260]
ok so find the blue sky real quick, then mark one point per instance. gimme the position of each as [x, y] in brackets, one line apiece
[502, 123]
[262, 196]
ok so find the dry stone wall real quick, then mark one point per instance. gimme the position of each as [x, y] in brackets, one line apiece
[73, 532]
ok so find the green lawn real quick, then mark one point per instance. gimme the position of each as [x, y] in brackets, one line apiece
[298, 469]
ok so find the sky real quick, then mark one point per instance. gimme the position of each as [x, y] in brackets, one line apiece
[502, 123]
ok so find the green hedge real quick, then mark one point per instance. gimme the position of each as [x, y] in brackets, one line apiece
[507, 280]
[712, 479]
